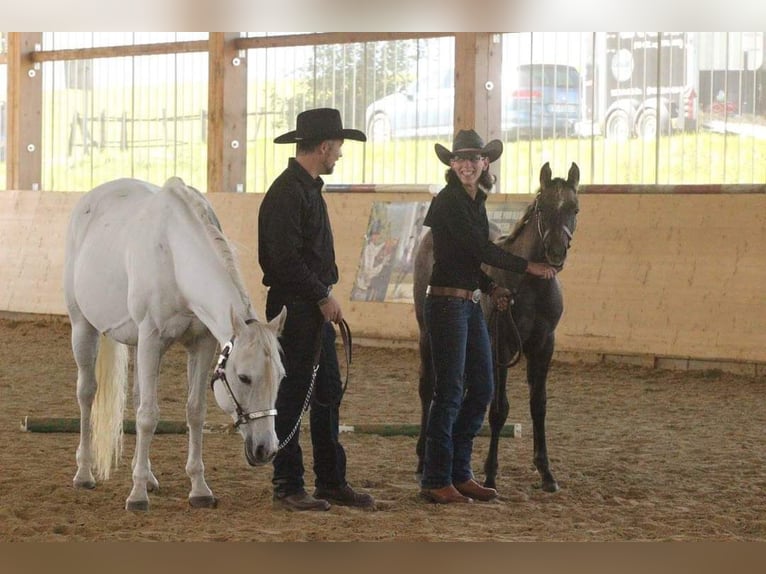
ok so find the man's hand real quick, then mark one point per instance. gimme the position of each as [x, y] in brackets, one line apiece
[331, 310]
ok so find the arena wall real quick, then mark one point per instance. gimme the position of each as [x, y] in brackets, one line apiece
[663, 279]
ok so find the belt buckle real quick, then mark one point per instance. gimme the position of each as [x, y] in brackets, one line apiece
[476, 297]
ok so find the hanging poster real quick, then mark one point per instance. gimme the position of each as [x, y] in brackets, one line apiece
[394, 230]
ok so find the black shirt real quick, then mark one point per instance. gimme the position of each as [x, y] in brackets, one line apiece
[460, 231]
[295, 242]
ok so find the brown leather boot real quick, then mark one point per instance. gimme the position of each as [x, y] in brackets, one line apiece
[345, 496]
[475, 490]
[445, 495]
[300, 501]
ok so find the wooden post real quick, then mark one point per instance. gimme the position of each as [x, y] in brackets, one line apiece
[102, 128]
[25, 97]
[73, 132]
[124, 131]
[478, 92]
[465, 84]
[227, 114]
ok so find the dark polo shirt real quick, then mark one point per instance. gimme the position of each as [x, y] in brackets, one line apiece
[295, 242]
[460, 231]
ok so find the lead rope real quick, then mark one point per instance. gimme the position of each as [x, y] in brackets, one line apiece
[495, 329]
[345, 332]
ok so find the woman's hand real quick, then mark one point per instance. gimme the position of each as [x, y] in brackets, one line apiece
[500, 297]
[541, 270]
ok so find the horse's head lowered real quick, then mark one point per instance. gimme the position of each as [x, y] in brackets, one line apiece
[250, 370]
[555, 213]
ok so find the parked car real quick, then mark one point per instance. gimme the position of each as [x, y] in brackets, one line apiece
[544, 101]
[417, 110]
[541, 100]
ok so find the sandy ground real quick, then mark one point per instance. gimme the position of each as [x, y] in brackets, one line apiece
[639, 455]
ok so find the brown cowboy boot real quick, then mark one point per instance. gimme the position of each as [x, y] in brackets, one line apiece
[445, 495]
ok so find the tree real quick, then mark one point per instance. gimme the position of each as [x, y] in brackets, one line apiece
[351, 76]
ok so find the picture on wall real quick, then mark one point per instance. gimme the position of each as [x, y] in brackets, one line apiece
[394, 230]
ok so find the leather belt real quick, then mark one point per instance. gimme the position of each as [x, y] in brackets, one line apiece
[454, 292]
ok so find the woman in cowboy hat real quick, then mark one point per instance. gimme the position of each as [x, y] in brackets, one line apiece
[462, 357]
[297, 255]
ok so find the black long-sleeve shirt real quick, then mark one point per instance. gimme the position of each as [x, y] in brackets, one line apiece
[295, 241]
[460, 231]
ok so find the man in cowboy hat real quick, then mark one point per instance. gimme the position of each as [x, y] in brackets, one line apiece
[457, 331]
[297, 255]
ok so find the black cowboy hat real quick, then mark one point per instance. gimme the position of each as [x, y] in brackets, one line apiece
[319, 124]
[468, 141]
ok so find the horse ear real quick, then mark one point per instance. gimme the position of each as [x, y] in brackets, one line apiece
[278, 322]
[573, 178]
[236, 322]
[545, 175]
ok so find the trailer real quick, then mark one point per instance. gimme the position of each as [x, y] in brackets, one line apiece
[639, 83]
[636, 84]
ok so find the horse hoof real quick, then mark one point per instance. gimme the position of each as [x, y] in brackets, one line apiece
[203, 502]
[137, 505]
[86, 484]
[550, 486]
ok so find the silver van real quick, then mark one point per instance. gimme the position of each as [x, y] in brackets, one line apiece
[539, 100]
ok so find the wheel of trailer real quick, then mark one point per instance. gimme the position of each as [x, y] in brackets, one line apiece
[379, 128]
[618, 126]
[646, 127]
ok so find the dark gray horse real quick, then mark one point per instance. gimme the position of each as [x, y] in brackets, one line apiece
[544, 233]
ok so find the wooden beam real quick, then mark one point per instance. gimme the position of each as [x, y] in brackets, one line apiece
[465, 82]
[120, 51]
[240, 44]
[72, 425]
[25, 100]
[509, 430]
[478, 70]
[227, 114]
[488, 84]
[331, 38]
[478, 73]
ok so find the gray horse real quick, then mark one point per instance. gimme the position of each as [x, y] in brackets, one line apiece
[146, 267]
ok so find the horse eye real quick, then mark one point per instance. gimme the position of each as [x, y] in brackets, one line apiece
[245, 380]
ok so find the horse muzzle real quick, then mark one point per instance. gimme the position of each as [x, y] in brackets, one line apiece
[259, 454]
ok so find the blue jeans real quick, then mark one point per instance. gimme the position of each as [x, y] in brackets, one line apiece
[462, 361]
[304, 329]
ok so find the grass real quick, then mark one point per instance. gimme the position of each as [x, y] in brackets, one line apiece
[697, 158]
[159, 147]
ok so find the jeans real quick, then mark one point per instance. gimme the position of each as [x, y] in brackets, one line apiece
[304, 330]
[462, 361]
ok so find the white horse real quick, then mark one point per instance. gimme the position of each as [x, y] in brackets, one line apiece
[145, 267]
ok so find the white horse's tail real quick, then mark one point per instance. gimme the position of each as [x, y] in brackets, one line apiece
[108, 405]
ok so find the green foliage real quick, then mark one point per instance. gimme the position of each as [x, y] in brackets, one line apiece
[698, 158]
[350, 76]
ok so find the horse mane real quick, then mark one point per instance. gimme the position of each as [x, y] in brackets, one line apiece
[520, 224]
[200, 206]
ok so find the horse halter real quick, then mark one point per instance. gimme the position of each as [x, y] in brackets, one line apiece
[543, 233]
[220, 374]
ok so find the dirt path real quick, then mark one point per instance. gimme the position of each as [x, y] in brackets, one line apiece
[639, 454]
